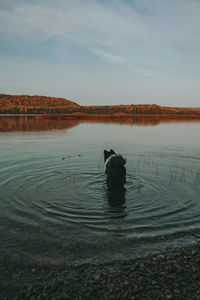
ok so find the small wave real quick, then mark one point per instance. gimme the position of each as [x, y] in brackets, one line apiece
[159, 199]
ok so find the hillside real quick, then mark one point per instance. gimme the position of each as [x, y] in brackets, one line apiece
[140, 109]
[20, 104]
[23, 104]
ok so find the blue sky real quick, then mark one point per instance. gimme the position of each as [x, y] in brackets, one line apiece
[102, 51]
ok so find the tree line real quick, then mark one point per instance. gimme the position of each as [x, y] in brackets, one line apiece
[24, 104]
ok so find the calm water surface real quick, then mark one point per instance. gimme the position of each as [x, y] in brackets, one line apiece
[54, 203]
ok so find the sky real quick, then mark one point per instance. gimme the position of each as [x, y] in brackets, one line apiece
[102, 52]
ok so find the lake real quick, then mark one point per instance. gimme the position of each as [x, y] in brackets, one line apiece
[54, 204]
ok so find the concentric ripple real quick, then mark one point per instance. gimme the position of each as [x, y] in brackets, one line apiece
[158, 200]
[67, 197]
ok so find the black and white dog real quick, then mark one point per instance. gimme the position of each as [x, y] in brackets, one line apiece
[115, 169]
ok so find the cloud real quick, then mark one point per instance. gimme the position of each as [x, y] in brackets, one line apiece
[145, 40]
[88, 21]
[152, 29]
[108, 57]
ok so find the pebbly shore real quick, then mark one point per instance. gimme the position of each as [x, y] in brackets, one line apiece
[171, 274]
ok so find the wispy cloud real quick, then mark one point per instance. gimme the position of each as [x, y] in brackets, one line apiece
[86, 21]
[161, 26]
[156, 39]
[108, 57]
[149, 28]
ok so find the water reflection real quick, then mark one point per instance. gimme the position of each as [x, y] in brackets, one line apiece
[55, 207]
[31, 123]
[116, 197]
[27, 123]
[142, 121]
[116, 204]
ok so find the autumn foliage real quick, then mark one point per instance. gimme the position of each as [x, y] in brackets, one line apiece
[23, 104]
[140, 109]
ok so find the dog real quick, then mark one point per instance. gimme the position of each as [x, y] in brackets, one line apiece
[114, 169]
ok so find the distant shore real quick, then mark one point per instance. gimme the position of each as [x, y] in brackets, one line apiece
[25, 104]
[86, 116]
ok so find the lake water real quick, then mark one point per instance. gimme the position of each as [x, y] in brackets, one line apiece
[54, 203]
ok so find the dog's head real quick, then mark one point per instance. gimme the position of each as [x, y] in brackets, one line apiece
[107, 154]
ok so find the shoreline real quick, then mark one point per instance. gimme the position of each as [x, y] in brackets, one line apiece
[170, 274]
[114, 116]
[117, 116]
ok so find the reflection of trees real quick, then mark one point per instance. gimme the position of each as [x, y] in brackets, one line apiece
[143, 121]
[126, 119]
[27, 123]
[33, 124]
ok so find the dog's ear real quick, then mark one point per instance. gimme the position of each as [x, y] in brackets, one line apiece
[106, 154]
[112, 151]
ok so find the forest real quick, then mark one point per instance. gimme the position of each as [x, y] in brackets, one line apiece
[24, 104]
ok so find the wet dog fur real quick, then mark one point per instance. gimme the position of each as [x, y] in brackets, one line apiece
[114, 169]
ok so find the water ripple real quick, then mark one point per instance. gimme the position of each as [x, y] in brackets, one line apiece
[160, 197]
